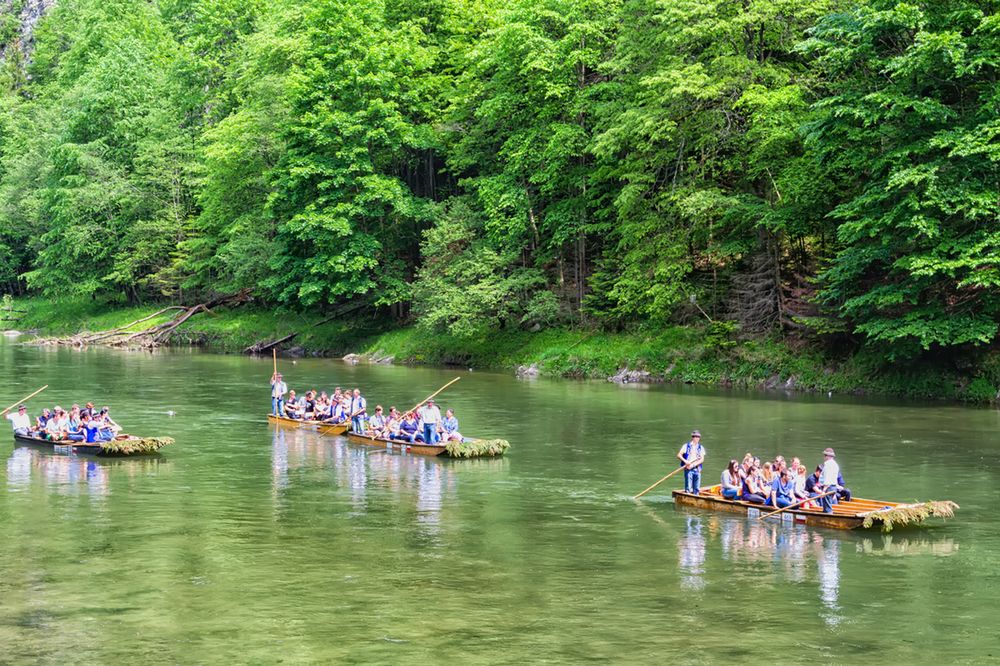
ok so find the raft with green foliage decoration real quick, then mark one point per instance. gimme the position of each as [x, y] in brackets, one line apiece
[847, 515]
[122, 445]
[469, 448]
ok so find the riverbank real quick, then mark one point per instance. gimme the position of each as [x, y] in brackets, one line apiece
[688, 354]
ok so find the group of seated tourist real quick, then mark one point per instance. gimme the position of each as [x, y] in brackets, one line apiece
[313, 405]
[776, 483]
[86, 424]
[424, 424]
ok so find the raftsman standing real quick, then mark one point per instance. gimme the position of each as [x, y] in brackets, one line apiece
[828, 480]
[692, 455]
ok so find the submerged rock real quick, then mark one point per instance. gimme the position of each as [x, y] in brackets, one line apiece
[353, 359]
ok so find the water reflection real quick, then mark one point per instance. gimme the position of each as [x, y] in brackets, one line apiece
[891, 545]
[799, 553]
[428, 485]
[827, 553]
[691, 554]
[69, 472]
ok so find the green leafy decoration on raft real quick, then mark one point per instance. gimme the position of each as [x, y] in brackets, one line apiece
[477, 448]
[139, 445]
[904, 514]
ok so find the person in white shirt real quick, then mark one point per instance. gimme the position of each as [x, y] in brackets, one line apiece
[58, 426]
[430, 416]
[377, 423]
[21, 421]
[278, 390]
[359, 412]
[828, 480]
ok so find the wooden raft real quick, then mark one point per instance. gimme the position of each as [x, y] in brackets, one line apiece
[847, 515]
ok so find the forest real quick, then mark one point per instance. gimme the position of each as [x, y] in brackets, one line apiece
[820, 170]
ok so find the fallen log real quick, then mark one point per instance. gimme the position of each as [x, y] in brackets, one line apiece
[151, 336]
[262, 347]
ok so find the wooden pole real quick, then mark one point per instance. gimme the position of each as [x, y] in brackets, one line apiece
[432, 395]
[274, 354]
[799, 503]
[658, 482]
[331, 427]
[24, 400]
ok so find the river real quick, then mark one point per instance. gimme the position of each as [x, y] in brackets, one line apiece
[246, 544]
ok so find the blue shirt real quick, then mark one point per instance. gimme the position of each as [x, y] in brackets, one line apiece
[358, 405]
[450, 424]
[786, 491]
[692, 451]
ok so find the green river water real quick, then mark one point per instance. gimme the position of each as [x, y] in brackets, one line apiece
[246, 544]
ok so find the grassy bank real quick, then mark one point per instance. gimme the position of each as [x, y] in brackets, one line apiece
[688, 354]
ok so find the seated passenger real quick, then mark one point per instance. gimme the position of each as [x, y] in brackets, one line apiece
[57, 427]
[322, 407]
[800, 487]
[339, 411]
[449, 428]
[409, 429]
[75, 432]
[105, 433]
[767, 473]
[392, 428]
[377, 424]
[328, 413]
[92, 429]
[783, 490]
[292, 410]
[811, 481]
[109, 422]
[43, 420]
[731, 480]
[307, 406]
[844, 492]
[752, 491]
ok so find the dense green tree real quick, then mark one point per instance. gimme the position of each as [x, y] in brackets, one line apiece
[108, 160]
[698, 138]
[525, 106]
[609, 162]
[911, 132]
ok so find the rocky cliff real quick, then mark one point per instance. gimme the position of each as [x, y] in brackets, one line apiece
[18, 19]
